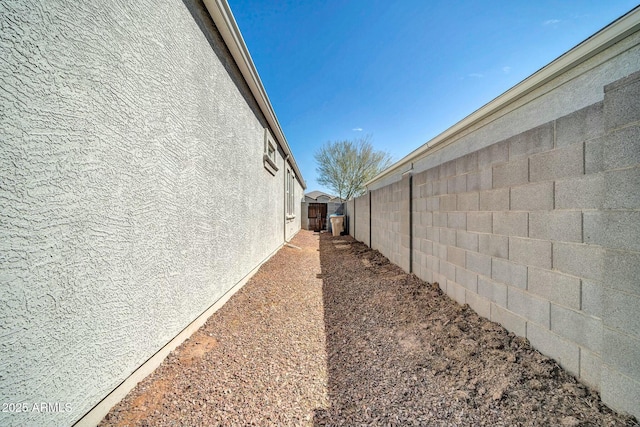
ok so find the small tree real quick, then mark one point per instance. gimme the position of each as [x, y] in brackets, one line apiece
[345, 166]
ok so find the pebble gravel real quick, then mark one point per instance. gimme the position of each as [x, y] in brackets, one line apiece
[329, 333]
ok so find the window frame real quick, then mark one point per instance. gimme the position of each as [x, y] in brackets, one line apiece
[269, 154]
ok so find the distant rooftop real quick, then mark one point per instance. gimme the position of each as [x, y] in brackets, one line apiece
[315, 194]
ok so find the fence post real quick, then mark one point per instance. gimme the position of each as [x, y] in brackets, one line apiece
[409, 176]
[370, 223]
[410, 223]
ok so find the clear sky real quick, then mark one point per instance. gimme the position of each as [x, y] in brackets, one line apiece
[402, 71]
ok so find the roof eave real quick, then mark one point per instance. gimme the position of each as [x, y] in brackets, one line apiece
[225, 22]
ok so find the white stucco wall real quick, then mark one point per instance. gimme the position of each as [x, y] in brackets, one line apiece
[133, 192]
[294, 222]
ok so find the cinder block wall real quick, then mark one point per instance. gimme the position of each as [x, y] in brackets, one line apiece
[362, 219]
[350, 213]
[539, 232]
[389, 234]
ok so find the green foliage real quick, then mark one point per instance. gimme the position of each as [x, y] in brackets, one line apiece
[345, 166]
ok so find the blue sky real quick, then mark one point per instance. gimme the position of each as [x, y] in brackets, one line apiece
[402, 71]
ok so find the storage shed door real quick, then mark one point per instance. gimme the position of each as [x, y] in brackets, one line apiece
[317, 216]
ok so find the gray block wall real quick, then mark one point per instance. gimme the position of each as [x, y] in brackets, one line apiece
[390, 223]
[362, 222]
[349, 212]
[539, 232]
[133, 187]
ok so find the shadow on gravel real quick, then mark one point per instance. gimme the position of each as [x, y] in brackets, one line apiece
[372, 377]
[400, 353]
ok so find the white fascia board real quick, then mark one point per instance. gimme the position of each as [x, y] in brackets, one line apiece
[611, 34]
[226, 24]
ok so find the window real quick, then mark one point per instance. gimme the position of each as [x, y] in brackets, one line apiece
[270, 151]
[290, 195]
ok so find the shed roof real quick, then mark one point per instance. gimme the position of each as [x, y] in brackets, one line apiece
[316, 193]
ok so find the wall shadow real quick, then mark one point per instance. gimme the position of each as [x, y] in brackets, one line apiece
[375, 369]
[400, 353]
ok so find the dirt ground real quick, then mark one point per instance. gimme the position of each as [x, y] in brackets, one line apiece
[330, 333]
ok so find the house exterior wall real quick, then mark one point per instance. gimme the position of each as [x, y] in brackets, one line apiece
[538, 230]
[134, 194]
[293, 224]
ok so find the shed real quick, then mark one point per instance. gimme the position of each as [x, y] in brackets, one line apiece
[316, 208]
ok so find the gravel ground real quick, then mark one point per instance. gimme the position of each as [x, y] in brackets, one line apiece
[333, 334]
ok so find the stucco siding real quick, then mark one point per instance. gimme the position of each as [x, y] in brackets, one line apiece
[133, 191]
[293, 224]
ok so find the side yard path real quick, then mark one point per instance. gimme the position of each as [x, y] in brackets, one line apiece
[333, 334]
[260, 360]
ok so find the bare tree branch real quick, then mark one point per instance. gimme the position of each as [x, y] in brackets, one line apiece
[345, 166]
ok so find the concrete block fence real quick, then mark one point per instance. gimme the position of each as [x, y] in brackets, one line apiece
[539, 232]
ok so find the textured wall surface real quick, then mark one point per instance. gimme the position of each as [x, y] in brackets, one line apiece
[349, 212]
[389, 223]
[539, 232]
[132, 187]
[293, 224]
[362, 231]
